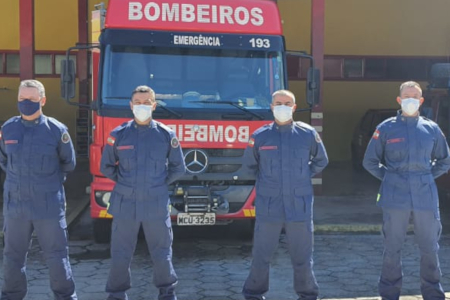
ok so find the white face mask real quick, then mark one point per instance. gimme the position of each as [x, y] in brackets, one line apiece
[282, 113]
[410, 106]
[142, 112]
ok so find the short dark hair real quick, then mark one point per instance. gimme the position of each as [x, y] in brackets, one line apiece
[144, 89]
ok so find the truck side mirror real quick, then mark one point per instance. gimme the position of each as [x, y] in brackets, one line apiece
[67, 79]
[313, 87]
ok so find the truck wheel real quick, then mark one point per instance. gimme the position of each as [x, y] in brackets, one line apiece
[102, 231]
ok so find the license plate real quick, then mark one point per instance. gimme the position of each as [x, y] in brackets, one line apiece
[185, 219]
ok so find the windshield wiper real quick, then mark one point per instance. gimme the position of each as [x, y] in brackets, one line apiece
[235, 104]
[162, 104]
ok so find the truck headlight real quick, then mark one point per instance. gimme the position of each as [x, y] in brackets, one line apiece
[105, 198]
[102, 198]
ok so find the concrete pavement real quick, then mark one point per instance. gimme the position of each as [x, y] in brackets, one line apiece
[213, 265]
[215, 268]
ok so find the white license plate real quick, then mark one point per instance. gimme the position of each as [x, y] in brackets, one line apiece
[186, 219]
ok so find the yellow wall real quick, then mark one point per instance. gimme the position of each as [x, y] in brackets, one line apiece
[8, 97]
[56, 24]
[296, 18]
[9, 25]
[386, 27]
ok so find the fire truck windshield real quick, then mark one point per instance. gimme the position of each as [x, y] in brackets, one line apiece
[194, 78]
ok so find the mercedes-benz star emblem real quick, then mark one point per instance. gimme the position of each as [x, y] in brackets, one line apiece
[196, 161]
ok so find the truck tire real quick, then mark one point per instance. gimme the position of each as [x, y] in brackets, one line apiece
[102, 231]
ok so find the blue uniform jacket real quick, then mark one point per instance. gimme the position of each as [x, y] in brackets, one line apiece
[407, 154]
[283, 159]
[36, 156]
[142, 160]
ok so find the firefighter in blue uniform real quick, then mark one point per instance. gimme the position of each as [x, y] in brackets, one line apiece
[142, 156]
[407, 153]
[284, 155]
[36, 153]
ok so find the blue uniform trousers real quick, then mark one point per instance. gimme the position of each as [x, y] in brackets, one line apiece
[300, 244]
[52, 237]
[159, 237]
[427, 230]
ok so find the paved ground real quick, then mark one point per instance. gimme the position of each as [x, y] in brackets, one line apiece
[213, 268]
[212, 264]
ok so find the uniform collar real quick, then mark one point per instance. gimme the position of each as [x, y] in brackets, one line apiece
[283, 128]
[407, 120]
[135, 125]
[37, 121]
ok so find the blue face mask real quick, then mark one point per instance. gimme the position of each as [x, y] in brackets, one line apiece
[28, 107]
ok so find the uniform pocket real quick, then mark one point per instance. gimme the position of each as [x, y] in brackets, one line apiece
[300, 162]
[158, 153]
[13, 154]
[114, 203]
[55, 204]
[269, 161]
[45, 159]
[396, 152]
[264, 196]
[127, 159]
[302, 202]
[12, 204]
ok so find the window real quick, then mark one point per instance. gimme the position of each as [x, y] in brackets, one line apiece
[43, 64]
[12, 63]
[374, 68]
[406, 69]
[369, 68]
[353, 68]
[332, 68]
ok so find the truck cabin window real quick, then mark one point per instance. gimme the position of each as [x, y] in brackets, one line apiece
[192, 78]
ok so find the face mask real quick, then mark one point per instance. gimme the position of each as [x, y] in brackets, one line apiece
[410, 106]
[282, 113]
[142, 112]
[28, 107]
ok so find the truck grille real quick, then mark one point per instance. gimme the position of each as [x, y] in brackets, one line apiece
[213, 160]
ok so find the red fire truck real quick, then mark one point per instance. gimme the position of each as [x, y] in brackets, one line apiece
[213, 66]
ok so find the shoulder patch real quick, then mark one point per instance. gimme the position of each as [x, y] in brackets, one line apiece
[110, 141]
[318, 139]
[376, 134]
[251, 142]
[65, 138]
[174, 142]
